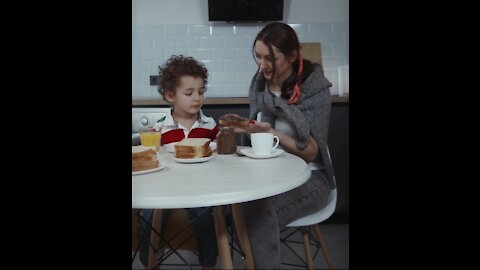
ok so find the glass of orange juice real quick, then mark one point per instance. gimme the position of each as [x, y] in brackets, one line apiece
[150, 137]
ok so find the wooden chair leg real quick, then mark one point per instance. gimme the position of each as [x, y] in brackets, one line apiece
[222, 238]
[135, 229]
[307, 247]
[155, 239]
[323, 243]
[243, 236]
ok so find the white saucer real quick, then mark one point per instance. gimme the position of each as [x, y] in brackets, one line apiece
[249, 153]
[192, 160]
[161, 166]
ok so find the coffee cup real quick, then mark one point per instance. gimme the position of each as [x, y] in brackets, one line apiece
[263, 143]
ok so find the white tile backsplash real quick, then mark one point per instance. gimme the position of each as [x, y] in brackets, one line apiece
[223, 77]
[142, 42]
[320, 28]
[224, 30]
[200, 54]
[174, 51]
[226, 51]
[199, 30]
[245, 76]
[238, 41]
[176, 30]
[236, 90]
[212, 42]
[245, 30]
[149, 54]
[235, 65]
[213, 66]
[244, 53]
[161, 42]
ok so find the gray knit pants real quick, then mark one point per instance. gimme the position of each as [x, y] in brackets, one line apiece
[265, 218]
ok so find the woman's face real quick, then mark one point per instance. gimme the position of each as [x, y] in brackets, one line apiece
[265, 61]
[189, 95]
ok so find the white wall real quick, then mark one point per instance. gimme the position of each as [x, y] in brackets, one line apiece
[316, 11]
[160, 12]
[161, 28]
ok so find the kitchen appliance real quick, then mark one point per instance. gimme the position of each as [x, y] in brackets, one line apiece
[145, 118]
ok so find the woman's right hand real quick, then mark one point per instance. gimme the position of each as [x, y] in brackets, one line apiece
[254, 127]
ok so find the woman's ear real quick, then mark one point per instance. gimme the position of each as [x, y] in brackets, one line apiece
[169, 96]
[293, 56]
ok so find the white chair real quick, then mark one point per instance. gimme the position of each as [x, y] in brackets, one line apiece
[305, 224]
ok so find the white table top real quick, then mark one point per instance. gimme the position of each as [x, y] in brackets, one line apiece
[224, 179]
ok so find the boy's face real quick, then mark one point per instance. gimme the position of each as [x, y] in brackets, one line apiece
[188, 97]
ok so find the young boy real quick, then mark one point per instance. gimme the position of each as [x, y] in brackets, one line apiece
[182, 83]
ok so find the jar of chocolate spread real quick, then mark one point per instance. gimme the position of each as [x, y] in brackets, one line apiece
[226, 141]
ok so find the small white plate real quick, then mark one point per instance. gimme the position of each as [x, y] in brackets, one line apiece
[192, 160]
[160, 166]
[171, 147]
[249, 153]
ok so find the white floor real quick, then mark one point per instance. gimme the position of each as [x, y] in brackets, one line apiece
[336, 235]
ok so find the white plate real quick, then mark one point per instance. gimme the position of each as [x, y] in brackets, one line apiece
[192, 160]
[171, 147]
[161, 166]
[249, 153]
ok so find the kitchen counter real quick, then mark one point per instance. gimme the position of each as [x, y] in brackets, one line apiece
[220, 101]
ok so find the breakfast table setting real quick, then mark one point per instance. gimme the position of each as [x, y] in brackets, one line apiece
[216, 181]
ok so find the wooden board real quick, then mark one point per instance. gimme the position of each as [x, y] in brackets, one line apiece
[312, 52]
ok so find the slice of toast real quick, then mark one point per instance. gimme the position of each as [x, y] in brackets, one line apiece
[143, 158]
[140, 150]
[193, 148]
[234, 120]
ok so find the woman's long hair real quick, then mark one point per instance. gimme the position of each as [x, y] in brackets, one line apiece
[284, 38]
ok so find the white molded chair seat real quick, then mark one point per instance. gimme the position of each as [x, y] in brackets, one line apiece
[319, 216]
[304, 224]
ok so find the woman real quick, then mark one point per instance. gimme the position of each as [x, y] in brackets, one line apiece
[293, 97]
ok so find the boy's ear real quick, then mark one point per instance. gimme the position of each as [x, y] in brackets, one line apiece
[169, 96]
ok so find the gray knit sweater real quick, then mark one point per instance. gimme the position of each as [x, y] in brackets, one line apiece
[310, 116]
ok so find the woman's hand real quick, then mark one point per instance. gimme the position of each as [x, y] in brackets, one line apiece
[254, 127]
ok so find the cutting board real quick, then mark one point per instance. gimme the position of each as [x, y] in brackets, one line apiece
[312, 52]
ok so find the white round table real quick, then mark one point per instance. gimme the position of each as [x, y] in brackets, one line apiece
[222, 180]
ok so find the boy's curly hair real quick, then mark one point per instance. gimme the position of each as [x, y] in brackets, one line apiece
[176, 67]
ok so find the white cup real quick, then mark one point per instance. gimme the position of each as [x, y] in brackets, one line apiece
[263, 143]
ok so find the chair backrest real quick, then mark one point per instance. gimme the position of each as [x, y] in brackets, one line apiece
[324, 213]
[329, 157]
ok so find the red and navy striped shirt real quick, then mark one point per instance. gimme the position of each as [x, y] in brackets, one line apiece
[172, 131]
